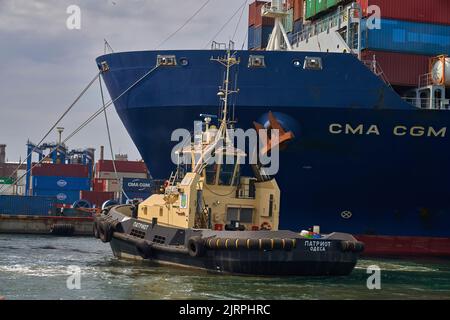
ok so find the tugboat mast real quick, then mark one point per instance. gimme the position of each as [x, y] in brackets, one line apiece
[225, 91]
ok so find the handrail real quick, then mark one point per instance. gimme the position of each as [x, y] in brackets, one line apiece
[375, 67]
[425, 80]
[419, 102]
[321, 26]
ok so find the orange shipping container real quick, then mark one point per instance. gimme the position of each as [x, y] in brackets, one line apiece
[254, 15]
[298, 9]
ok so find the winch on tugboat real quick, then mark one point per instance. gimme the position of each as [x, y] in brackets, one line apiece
[207, 216]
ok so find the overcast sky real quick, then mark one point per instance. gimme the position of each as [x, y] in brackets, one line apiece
[44, 65]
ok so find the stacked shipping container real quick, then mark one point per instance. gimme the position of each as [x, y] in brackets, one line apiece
[107, 181]
[319, 7]
[412, 31]
[408, 37]
[429, 11]
[97, 198]
[60, 181]
[298, 9]
[137, 188]
[400, 69]
[30, 206]
[7, 186]
[62, 170]
[259, 27]
[121, 166]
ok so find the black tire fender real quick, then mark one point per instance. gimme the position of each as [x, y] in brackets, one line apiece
[95, 230]
[105, 231]
[345, 246]
[359, 246]
[196, 247]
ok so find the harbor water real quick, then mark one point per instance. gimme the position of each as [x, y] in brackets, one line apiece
[40, 267]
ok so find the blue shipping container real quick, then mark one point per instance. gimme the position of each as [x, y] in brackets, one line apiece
[137, 185]
[258, 37]
[251, 37]
[62, 196]
[29, 206]
[61, 183]
[298, 26]
[408, 37]
[262, 35]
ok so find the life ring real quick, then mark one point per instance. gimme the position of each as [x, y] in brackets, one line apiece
[266, 226]
[166, 183]
[196, 247]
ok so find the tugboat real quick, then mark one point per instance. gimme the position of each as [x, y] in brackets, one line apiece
[207, 216]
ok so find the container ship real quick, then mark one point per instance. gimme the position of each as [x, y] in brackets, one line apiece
[358, 87]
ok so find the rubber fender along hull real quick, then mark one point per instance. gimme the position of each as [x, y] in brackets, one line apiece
[241, 262]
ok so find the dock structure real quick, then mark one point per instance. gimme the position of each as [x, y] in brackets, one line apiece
[47, 225]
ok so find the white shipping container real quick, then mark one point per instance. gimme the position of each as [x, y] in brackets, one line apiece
[7, 189]
[21, 173]
[111, 186]
[112, 175]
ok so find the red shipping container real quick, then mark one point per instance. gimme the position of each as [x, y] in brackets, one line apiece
[62, 170]
[298, 9]
[121, 166]
[98, 185]
[254, 15]
[400, 69]
[97, 198]
[429, 11]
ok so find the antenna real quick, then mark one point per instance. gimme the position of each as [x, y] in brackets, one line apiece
[60, 131]
[225, 91]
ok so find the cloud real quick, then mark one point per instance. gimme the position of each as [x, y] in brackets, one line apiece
[44, 66]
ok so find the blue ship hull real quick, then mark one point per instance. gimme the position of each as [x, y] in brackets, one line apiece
[363, 161]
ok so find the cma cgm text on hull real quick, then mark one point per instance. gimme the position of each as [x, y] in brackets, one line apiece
[398, 131]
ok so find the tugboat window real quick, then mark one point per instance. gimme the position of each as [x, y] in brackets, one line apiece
[227, 171]
[210, 173]
[226, 174]
[243, 215]
[297, 63]
[237, 175]
[246, 215]
[313, 63]
[271, 201]
[233, 214]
